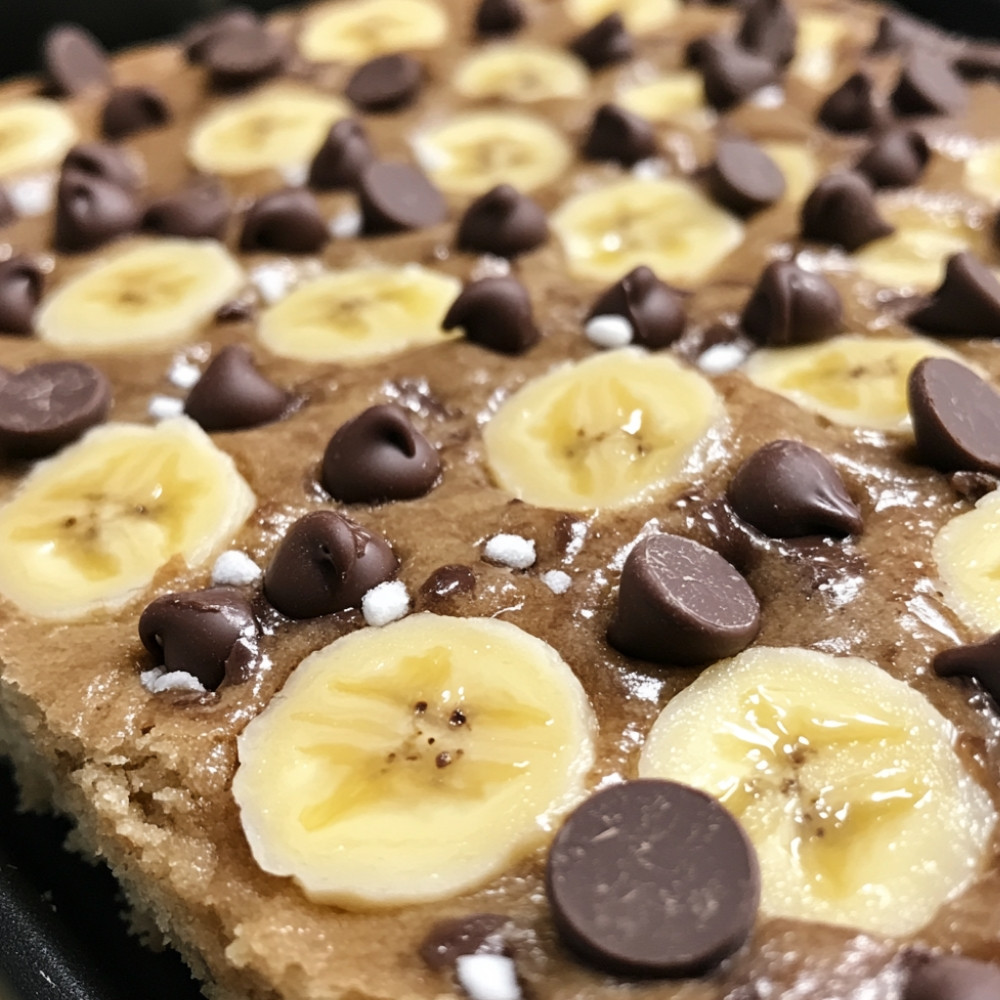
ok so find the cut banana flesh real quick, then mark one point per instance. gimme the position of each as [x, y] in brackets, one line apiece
[413, 762]
[816, 47]
[473, 153]
[845, 779]
[35, 133]
[858, 381]
[274, 128]
[90, 527]
[640, 16]
[601, 433]
[669, 97]
[357, 314]
[521, 73]
[982, 171]
[358, 30]
[798, 165]
[665, 224]
[151, 293]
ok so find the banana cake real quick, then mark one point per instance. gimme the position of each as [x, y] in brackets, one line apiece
[498, 499]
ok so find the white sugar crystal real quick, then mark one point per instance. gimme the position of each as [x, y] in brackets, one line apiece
[557, 581]
[385, 603]
[183, 374]
[609, 331]
[158, 681]
[511, 550]
[165, 407]
[273, 281]
[720, 358]
[32, 195]
[295, 174]
[234, 569]
[488, 977]
[345, 225]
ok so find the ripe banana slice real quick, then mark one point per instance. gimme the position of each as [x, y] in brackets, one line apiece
[602, 433]
[858, 381]
[671, 97]
[816, 47]
[354, 315]
[799, 166]
[413, 762]
[358, 30]
[845, 779]
[151, 293]
[90, 527]
[665, 224]
[640, 16]
[277, 127]
[34, 133]
[982, 171]
[476, 152]
[521, 73]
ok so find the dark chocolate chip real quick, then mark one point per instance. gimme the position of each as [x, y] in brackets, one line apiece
[345, 153]
[286, 221]
[743, 177]
[396, 197]
[851, 107]
[495, 312]
[972, 486]
[385, 83]
[619, 135]
[232, 395]
[978, 660]
[478, 934]
[379, 456]
[604, 43]
[898, 32]
[841, 209]
[91, 212]
[978, 61]
[956, 417]
[200, 35]
[7, 211]
[133, 109]
[20, 291]
[768, 29]
[499, 17]
[211, 634]
[952, 977]
[653, 878]
[729, 72]
[680, 602]
[74, 60]
[452, 580]
[49, 405]
[101, 161]
[242, 55]
[654, 310]
[788, 490]
[325, 563]
[896, 158]
[503, 222]
[200, 211]
[928, 86]
[965, 304]
[790, 306]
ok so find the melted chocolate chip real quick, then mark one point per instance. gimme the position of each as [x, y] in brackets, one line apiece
[965, 304]
[211, 634]
[495, 312]
[379, 456]
[730, 73]
[851, 107]
[604, 43]
[133, 109]
[680, 602]
[7, 212]
[20, 291]
[232, 395]
[498, 17]
[49, 405]
[896, 158]
[240, 55]
[620, 136]
[952, 977]
[91, 212]
[743, 177]
[769, 29]
[326, 563]
[478, 934]
[197, 212]
[928, 86]
[653, 309]
[841, 209]
[385, 83]
[978, 660]
[286, 221]
[791, 306]
[345, 153]
[503, 222]
[200, 35]
[395, 197]
[103, 162]
[74, 60]
[448, 581]
[633, 846]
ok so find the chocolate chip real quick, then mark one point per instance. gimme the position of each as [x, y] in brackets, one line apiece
[91, 212]
[101, 161]
[978, 61]
[478, 934]
[956, 416]
[133, 109]
[896, 158]
[345, 153]
[499, 17]
[74, 60]
[952, 977]
[654, 310]
[730, 73]
[7, 211]
[495, 312]
[620, 136]
[981, 662]
[49, 405]
[503, 222]
[928, 86]
[965, 304]
[20, 291]
[386, 83]
[841, 209]
[199, 36]
[680, 602]
[448, 581]
[790, 306]
[232, 395]
[653, 878]
[286, 221]
[604, 43]
[395, 197]
[851, 107]
[743, 177]
[379, 456]
[896, 32]
[211, 634]
[325, 563]
[769, 29]
[200, 211]
[240, 55]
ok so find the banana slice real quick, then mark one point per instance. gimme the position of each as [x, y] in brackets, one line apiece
[640, 16]
[359, 314]
[413, 762]
[845, 779]
[274, 128]
[816, 44]
[602, 433]
[671, 97]
[151, 293]
[858, 381]
[799, 166]
[89, 528]
[982, 171]
[521, 73]
[475, 152]
[34, 133]
[358, 30]
[665, 224]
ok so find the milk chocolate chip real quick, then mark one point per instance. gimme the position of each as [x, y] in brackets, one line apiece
[654, 310]
[74, 60]
[20, 291]
[286, 221]
[980, 661]
[604, 43]
[791, 306]
[680, 602]
[896, 158]
[841, 209]
[928, 86]
[326, 563]
[851, 107]
[769, 29]
[242, 54]
[499, 17]
[385, 83]
[200, 211]
[91, 211]
[653, 878]
[396, 197]
[452, 580]
[620, 136]
[101, 161]
[743, 177]
[503, 222]
[965, 304]
[133, 109]
[730, 73]
[495, 312]
[379, 456]
[345, 153]
[478, 934]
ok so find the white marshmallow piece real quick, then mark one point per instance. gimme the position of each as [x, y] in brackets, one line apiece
[165, 407]
[557, 581]
[32, 195]
[386, 602]
[273, 281]
[488, 977]
[234, 569]
[609, 331]
[721, 358]
[183, 374]
[510, 550]
[345, 225]
[159, 681]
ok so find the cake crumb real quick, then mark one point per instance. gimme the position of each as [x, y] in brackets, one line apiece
[510, 550]
[609, 331]
[235, 569]
[165, 407]
[488, 977]
[387, 602]
[183, 374]
[557, 581]
[159, 681]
